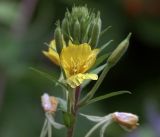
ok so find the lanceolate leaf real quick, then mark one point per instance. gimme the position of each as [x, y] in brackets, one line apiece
[106, 96]
[91, 93]
[49, 77]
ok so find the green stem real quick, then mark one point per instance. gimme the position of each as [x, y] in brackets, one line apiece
[74, 96]
[96, 86]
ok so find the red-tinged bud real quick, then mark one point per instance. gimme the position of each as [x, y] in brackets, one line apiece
[128, 121]
[49, 103]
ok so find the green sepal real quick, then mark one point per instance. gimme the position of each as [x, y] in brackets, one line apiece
[68, 119]
[103, 128]
[93, 118]
[62, 104]
[52, 122]
[44, 129]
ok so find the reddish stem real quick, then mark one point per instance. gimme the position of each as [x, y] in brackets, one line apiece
[70, 131]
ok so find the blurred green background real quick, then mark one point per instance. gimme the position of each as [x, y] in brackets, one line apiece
[25, 25]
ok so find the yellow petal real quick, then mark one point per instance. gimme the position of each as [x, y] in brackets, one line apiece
[52, 54]
[78, 79]
[77, 59]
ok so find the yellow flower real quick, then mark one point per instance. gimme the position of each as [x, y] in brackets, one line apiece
[76, 60]
[52, 53]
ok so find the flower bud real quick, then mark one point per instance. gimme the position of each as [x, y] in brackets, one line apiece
[65, 29]
[119, 51]
[76, 32]
[58, 39]
[96, 32]
[128, 121]
[84, 30]
[49, 103]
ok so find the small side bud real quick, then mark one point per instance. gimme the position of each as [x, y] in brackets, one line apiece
[128, 121]
[119, 51]
[49, 103]
[58, 39]
[76, 32]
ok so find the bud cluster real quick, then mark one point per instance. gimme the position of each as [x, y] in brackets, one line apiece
[80, 26]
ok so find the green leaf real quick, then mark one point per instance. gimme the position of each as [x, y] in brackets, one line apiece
[62, 104]
[91, 93]
[106, 96]
[49, 77]
[95, 71]
[93, 118]
[68, 119]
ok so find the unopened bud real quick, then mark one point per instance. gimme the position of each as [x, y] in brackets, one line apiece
[76, 32]
[65, 30]
[96, 32]
[128, 121]
[58, 39]
[119, 51]
[49, 103]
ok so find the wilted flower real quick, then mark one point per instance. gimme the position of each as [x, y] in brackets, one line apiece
[128, 121]
[49, 103]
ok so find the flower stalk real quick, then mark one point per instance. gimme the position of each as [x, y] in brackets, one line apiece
[74, 111]
[75, 51]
